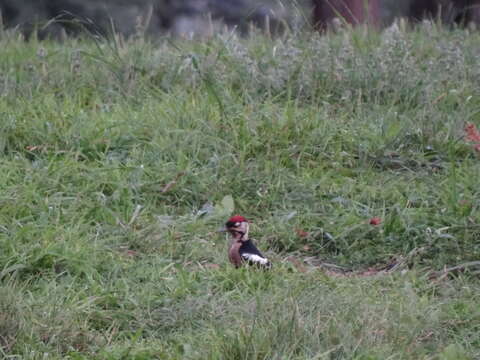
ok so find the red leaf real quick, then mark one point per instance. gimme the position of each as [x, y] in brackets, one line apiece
[472, 133]
[375, 221]
[302, 233]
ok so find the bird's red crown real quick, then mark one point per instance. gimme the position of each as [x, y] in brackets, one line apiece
[237, 218]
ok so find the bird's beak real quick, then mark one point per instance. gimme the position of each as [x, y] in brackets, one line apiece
[222, 229]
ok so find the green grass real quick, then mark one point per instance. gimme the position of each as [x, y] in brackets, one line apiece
[118, 159]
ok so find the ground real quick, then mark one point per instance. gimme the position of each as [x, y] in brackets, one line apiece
[121, 158]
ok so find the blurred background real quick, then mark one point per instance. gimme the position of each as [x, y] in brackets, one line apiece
[190, 17]
[179, 17]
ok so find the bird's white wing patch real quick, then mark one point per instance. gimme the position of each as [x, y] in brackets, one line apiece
[255, 258]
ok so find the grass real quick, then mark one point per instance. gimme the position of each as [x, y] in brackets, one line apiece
[119, 158]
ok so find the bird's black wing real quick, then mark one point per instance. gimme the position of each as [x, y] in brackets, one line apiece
[250, 253]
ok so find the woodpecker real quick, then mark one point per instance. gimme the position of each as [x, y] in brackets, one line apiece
[241, 249]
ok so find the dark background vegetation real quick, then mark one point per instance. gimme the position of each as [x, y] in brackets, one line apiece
[185, 17]
[160, 16]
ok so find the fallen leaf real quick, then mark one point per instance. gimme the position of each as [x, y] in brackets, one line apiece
[302, 233]
[131, 253]
[211, 266]
[35, 147]
[472, 134]
[128, 253]
[375, 221]
[306, 248]
[225, 207]
[228, 204]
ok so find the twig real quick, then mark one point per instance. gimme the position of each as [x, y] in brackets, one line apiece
[172, 183]
[455, 269]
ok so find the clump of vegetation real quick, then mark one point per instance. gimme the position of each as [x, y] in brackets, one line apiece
[118, 160]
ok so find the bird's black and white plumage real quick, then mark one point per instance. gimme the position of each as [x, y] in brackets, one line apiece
[242, 250]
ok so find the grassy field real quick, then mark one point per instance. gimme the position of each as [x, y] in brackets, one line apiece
[120, 159]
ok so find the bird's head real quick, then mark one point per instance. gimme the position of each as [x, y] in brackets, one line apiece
[238, 227]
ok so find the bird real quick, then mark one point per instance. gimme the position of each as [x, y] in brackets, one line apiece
[242, 250]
